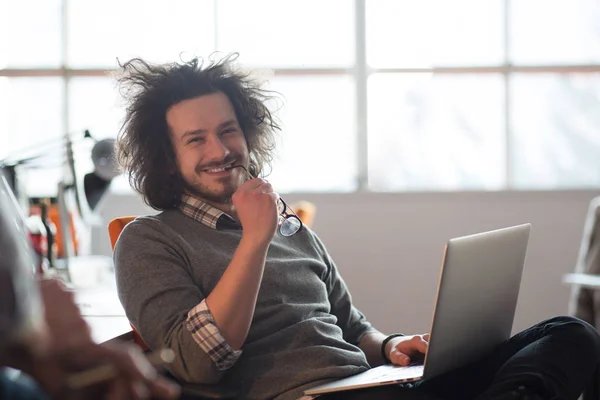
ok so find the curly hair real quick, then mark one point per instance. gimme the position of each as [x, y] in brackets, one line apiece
[144, 149]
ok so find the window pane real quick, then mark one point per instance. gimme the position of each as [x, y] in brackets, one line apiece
[94, 104]
[31, 112]
[30, 33]
[274, 33]
[439, 132]
[156, 30]
[425, 33]
[555, 131]
[317, 146]
[555, 32]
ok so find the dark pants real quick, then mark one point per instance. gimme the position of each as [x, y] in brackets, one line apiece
[557, 359]
[19, 388]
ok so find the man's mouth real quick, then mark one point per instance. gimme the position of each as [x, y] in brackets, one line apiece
[222, 168]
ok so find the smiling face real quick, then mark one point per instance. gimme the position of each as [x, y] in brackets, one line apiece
[207, 139]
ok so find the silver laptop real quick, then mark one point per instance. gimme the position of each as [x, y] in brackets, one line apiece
[474, 310]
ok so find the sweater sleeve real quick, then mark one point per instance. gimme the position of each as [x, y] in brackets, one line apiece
[159, 296]
[203, 328]
[349, 318]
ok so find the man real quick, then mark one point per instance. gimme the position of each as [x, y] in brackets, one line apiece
[43, 335]
[213, 277]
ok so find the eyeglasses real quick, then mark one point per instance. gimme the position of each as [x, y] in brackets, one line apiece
[289, 222]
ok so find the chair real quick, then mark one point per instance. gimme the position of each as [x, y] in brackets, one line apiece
[305, 210]
[114, 231]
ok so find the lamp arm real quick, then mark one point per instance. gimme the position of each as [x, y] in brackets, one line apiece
[42, 148]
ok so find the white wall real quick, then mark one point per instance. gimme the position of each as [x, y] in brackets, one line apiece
[389, 246]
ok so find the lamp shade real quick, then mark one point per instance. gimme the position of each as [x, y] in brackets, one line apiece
[103, 157]
[94, 188]
[96, 183]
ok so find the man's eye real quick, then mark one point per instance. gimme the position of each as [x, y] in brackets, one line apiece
[230, 130]
[196, 140]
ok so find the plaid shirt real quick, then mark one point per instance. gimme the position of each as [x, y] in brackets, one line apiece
[200, 321]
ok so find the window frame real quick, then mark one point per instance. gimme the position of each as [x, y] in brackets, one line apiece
[361, 72]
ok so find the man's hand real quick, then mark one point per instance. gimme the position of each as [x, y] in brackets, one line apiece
[256, 206]
[71, 349]
[136, 377]
[66, 326]
[405, 349]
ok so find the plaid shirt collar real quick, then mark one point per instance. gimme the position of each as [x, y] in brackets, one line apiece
[206, 214]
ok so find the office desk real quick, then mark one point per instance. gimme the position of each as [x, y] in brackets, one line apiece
[101, 308]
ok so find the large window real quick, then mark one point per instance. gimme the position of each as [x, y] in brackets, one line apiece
[380, 95]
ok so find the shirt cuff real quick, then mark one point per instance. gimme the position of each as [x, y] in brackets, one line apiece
[205, 333]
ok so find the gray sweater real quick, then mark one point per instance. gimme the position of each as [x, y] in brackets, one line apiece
[305, 329]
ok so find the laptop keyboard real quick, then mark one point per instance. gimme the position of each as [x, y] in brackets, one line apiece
[392, 373]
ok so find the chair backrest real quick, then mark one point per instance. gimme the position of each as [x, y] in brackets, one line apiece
[115, 227]
[305, 210]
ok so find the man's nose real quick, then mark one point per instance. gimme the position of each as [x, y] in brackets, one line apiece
[216, 149]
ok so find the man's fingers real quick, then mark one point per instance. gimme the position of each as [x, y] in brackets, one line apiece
[164, 389]
[132, 361]
[135, 378]
[420, 344]
[274, 196]
[116, 389]
[128, 360]
[255, 183]
[139, 390]
[67, 328]
[426, 337]
[264, 187]
[399, 358]
[150, 383]
[260, 186]
[145, 379]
